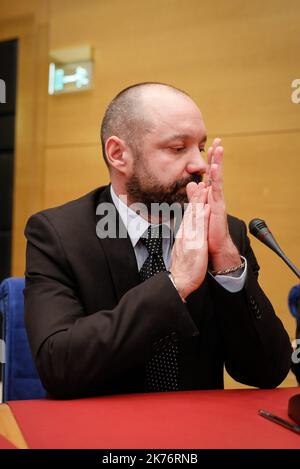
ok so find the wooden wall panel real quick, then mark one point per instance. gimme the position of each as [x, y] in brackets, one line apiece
[30, 120]
[20, 9]
[63, 166]
[261, 175]
[237, 59]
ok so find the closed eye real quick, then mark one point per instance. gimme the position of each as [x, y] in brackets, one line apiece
[181, 149]
[178, 149]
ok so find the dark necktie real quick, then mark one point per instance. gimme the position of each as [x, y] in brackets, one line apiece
[162, 369]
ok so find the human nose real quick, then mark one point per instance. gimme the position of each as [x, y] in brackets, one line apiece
[196, 163]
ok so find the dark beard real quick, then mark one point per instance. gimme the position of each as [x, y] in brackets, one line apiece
[157, 193]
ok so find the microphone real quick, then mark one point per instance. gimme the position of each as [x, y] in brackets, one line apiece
[294, 307]
[260, 230]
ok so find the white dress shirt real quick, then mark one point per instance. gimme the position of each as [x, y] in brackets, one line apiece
[136, 227]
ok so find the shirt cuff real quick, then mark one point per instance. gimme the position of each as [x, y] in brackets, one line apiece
[232, 283]
[174, 284]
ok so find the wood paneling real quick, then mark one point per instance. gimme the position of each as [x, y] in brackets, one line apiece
[10, 429]
[30, 120]
[83, 164]
[19, 9]
[237, 59]
[261, 181]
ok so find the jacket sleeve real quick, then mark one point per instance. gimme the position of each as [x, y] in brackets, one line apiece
[77, 352]
[256, 346]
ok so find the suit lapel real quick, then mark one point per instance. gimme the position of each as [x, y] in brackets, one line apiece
[119, 251]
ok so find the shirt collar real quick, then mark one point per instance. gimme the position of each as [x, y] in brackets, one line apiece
[134, 223]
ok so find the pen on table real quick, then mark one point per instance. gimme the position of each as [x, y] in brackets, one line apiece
[291, 426]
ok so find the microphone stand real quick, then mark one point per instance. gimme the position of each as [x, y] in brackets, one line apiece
[259, 229]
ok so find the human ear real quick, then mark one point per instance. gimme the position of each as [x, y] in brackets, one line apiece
[117, 153]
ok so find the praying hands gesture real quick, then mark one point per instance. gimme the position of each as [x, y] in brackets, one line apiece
[190, 250]
[203, 234]
[222, 252]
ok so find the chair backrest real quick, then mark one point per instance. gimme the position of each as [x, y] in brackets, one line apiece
[20, 378]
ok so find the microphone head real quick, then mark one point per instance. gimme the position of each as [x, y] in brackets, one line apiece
[260, 230]
[256, 226]
[294, 301]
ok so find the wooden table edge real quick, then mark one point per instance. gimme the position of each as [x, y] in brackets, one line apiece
[10, 429]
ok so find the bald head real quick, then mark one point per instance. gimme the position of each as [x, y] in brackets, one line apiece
[130, 113]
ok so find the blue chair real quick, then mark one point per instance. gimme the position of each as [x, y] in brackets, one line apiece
[20, 378]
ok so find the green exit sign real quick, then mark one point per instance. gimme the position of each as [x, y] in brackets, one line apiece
[70, 77]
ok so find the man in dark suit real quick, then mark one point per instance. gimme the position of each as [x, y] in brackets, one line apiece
[114, 313]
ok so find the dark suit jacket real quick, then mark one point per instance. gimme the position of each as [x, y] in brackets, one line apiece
[92, 325]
